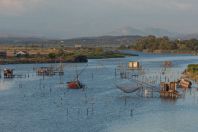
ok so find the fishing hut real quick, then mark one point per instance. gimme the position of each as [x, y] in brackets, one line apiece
[130, 70]
[50, 71]
[47, 71]
[8, 73]
[134, 65]
[167, 64]
[185, 83]
[169, 89]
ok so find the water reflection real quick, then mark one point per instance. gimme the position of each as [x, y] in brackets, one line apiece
[4, 85]
[169, 100]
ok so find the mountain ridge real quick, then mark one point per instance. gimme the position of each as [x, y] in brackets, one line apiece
[159, 32]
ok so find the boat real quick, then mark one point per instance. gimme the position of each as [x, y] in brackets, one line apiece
[185, 83]
[75, 85]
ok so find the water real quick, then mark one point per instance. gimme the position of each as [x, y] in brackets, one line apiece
[37, 104]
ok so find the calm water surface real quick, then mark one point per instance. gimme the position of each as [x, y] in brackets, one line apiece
[37, 104]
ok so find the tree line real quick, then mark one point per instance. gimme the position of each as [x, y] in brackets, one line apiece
[152, 43]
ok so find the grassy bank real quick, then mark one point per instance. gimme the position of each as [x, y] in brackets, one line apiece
[192, 71]
[74, 55]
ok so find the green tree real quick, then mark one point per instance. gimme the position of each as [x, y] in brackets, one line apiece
[52, 55]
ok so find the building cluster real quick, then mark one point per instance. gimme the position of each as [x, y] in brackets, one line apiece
[7, 54]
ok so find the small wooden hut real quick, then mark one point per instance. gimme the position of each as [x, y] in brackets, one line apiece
[167, 64]
[134, 65]
[8, 73]
[169, 89]
[47, 71]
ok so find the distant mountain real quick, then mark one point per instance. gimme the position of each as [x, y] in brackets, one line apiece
[188, 36]
[160, 32]
[103, 40]
[20, 40]
[142, 32]
[85, 41]
[126, 31]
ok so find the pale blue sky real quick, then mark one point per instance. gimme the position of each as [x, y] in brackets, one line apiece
[75, 18]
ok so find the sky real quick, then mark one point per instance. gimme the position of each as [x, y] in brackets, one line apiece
[77, 18]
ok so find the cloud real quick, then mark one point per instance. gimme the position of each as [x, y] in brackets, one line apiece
[16, 7]
[184, 6]
[11, 4]
[153, 4]
[81, 17]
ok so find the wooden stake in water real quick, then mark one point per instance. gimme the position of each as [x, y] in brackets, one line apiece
[87, 111]
[78, 112]
[92, 107]
[125, 100]
[92, 76]
[115, 72]
[67, 112]
[131, 113]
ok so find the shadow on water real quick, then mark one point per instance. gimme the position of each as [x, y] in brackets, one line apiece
[172, 100]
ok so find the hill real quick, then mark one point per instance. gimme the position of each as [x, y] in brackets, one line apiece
[103, 41]
[85, 41]
[143, 32]
[188, 36]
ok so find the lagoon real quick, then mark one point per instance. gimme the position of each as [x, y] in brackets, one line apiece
[37, 104]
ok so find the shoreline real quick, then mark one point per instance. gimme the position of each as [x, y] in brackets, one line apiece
[37, 61]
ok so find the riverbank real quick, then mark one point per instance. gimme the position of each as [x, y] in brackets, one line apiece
[170, 52]
[75, 56]
[191, 72]
[113, 54]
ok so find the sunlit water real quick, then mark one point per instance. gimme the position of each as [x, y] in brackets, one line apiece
[37, 104]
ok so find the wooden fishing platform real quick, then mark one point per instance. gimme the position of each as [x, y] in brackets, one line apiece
[50, 71]
[132, 70]
[166, 89]
[9, 74]
[134, 65]
[169, 89]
